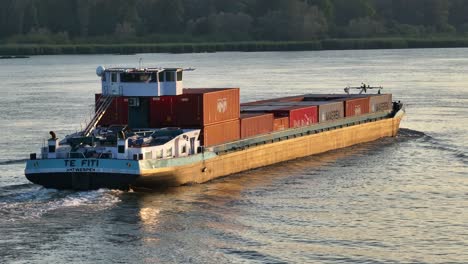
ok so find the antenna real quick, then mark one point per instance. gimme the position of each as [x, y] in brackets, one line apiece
[363, 88]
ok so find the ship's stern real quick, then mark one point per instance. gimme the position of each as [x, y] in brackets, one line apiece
[82, 174]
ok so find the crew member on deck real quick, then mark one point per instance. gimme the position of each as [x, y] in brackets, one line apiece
[52, 135]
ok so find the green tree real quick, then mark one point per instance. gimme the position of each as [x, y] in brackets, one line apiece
[346, 10]
[298, 21]
[458, 15]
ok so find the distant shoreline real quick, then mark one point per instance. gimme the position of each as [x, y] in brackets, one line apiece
[247, 46]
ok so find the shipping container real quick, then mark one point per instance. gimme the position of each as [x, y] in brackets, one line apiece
[329, 110]
[298, 115]
[116, 113]
[162, 112]
[139, 112]
[280, 123]
[380, 103]
[356, 106]
[201, 107]
[255, 124]
[220, 133]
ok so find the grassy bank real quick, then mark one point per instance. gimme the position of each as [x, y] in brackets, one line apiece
[329, 44]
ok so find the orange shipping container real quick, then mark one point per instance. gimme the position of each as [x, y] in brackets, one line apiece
[202, 107]
[356, 106]
[220, 133]
[255, 124]
[281, 123]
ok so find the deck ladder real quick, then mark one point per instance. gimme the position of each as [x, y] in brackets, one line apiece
[101, 110]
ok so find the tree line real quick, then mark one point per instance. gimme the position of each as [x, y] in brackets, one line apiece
[106, 21]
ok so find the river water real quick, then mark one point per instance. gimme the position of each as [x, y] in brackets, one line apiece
[397, 200]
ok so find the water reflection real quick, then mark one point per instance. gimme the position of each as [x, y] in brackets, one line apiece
[149, 216]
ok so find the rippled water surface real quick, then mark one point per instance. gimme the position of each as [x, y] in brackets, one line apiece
[397, 200]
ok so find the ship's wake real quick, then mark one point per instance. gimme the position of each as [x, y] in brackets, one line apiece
[410, 133]
[434, 143]
[14, 161]
[28, 201]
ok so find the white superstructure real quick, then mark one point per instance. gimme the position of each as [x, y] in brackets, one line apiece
[165, 143]
[140, 82]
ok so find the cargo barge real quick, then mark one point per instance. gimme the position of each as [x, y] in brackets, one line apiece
[149, 131]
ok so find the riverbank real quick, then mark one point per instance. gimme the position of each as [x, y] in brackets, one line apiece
[248, 46]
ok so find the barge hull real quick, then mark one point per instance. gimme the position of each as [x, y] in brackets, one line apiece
[268, 154]
[83, 180]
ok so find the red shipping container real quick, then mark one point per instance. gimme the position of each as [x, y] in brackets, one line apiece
[356, 106]
[220, 133]
[281, 123]
[162, 112]
[116, 113]
[201, 107]
[255, 124]
[299, 115]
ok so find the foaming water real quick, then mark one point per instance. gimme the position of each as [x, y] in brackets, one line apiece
[395, 200]
[31, 201]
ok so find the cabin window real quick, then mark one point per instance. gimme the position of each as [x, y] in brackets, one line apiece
[170, 76]
[184, 149]
[114, 77]
[154, 77]
[149, 155]
[159, 154]
[169, 152]
[121, 149]
[138, 77]
[161, 77]
[51, 149]
[179, 76]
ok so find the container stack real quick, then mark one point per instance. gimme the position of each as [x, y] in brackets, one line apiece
[308, 109]
[215, 111]
[221, 118]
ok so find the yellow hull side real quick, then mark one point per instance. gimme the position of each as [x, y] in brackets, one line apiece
[269, 154]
